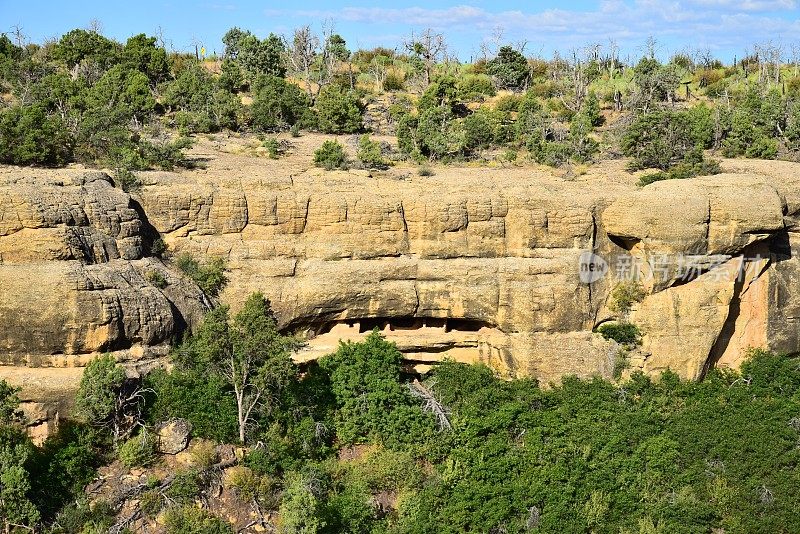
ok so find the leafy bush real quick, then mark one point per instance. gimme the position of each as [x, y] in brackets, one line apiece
[64, 465]
[185, 487]
[79, 46]
[151, 503]
[591, 109]
[694, 164]
[204, 107]
[393, 81]
[278, 105]
[623, 333]
[339, 110]
[625, 295]
[474, 87]
[189, 519]
[507, 103]
[478, 132]
[369, 153]
[330, 156]
[204, 454]
[371, 402]
[139, 451]
[509, 69]
[201, 398]
[749, 129]
[661, 139]
[140, 53]
[272, 146]
[210, 277]
[127, 180]
[300, 510]
[156, 279]
[257, 57]
[80, 516]
[28, 136]
[101, 384]
[438, 135]
[425, 170]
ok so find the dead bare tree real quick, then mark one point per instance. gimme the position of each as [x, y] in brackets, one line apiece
[431, 404]
[302, 53]
[490, 46]
[430, 47]
[613, 57]
[768, 56]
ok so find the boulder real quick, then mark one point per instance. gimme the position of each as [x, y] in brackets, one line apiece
[173, 436]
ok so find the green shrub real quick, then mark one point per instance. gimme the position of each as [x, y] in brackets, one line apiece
[80, 517]
[371, 402]
[272, 146]
[189, 519]
[79, 45]
[156, 279]
[624, 295]
[300, 510]
[204, 454]
[210, 276]
[151, 503]
[693, 164]
[659, 139]
[231, 78]
[162, 152]
[475, 87]
[763, 148]
[591, 109]
[28, 136]
[64, 465]
[330, 156]
[546, 152]
[201, 398]
[507, 103]
[204, 107]
[438, 135]
[185, 487]
[425, 170]
[509, 69]
[139, 451]
[278, 105]
[339, 110]
[127, 181]
[158, 247]
[393, 81]
[369, 153]
[478, 132]
[750, 127]
[623, 333]
[101, 384]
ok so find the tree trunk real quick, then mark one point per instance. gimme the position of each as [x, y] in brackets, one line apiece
[241, 415]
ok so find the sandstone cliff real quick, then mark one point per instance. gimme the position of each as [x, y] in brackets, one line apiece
[472, 264]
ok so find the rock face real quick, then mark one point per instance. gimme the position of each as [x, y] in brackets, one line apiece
[480, 267]
[173, 436]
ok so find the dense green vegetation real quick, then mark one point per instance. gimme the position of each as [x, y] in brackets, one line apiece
[135, 105]
[354, 444]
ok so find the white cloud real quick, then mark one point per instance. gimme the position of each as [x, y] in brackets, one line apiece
[694, 23]
[748, 5]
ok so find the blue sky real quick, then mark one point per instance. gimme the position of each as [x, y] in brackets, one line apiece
[727, 27]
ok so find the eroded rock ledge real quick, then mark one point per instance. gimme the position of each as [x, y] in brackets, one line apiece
[477, 269]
